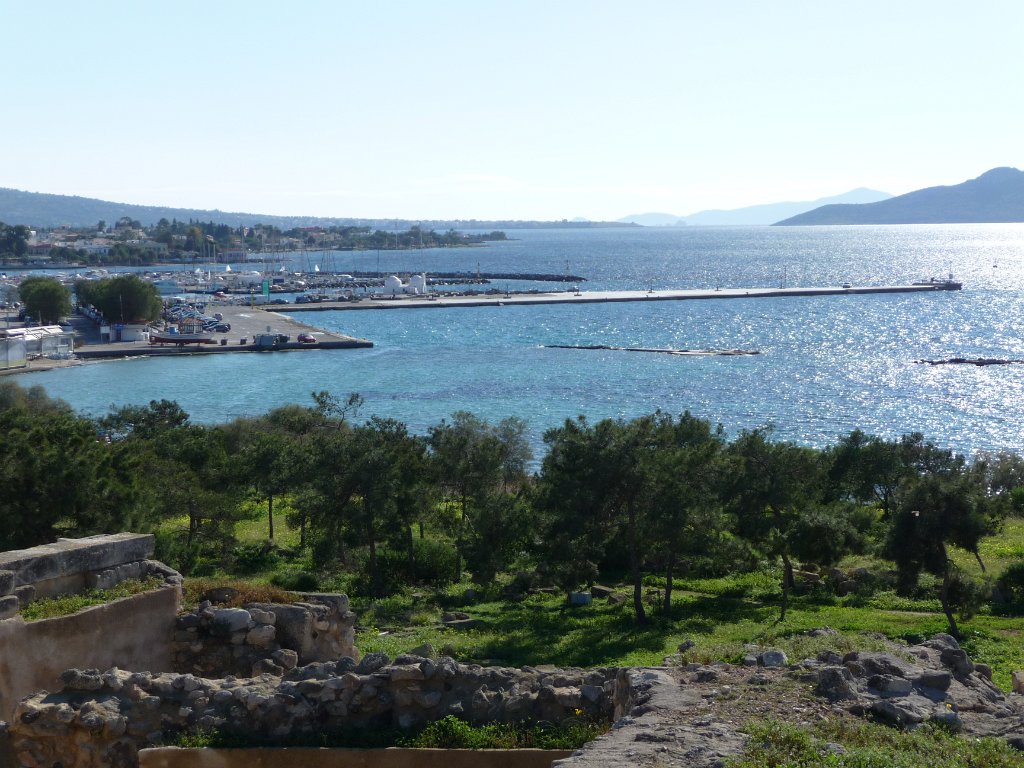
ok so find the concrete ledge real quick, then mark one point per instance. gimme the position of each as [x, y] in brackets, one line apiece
[66, 562]
[173, 757]
[130, 633]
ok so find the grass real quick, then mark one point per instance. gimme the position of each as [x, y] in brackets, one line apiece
[65, 605]
[447, 733]
[859, 744]
[722, 616]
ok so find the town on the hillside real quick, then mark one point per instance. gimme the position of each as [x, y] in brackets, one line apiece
[127, 242]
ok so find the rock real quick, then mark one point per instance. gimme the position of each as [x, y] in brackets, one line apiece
[286, 658]
[1017, 679]
[984, 670]
[227, 621]
[371, 662]
[9, 606]
[934, 679]
[425, 651]
[617, 599]
[686, 645]
[889, 685]
[453, 616]
[261, 616]
[598, 591]
[578, 599]
[957, 660]
[773, 658]
[941, 641]
[220, 595]
[6, 582]
[25, 594]
[836, 683]
[261, 636]
[465, 624]
[829, 657]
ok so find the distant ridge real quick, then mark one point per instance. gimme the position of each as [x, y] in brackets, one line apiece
[38, 209]
[769, 213]
[654, 220]
[995, 196]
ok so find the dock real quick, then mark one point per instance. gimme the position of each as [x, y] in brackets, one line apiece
[246, 324]
[577, 296]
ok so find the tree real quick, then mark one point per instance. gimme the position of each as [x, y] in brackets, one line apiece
[594, 485]
[776, 492]
[126, 298]
[935, 512]
[45, 299]
[686, 515]
[472, 459]
[57, 477]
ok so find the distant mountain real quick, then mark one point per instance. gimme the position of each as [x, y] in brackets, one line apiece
[995, 196]
[772, 212]
[654, 220]
[40, 210]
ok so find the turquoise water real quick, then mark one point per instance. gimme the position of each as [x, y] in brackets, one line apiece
[827, 364]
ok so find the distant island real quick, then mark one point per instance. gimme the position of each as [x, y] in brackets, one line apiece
[994, 197]
[42, 210]
[752, 215]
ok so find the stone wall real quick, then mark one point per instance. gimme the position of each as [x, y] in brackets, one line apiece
[69, 566]
[264, 637]
[168, 757]
[103, 719]
[133, 632]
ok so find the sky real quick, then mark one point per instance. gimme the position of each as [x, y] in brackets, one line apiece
[461, 109]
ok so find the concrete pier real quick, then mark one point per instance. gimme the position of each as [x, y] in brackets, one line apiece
[595, 297]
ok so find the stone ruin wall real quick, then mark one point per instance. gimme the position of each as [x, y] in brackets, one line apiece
[103, 719]
[132, 632]
[263, 637]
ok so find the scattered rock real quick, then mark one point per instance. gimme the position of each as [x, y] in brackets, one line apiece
[773, 658]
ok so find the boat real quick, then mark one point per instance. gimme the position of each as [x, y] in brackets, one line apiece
[941, 284]
[189, 330]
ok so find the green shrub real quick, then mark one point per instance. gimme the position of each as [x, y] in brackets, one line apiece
[1011, 588]
[296, 581]
[255, 557]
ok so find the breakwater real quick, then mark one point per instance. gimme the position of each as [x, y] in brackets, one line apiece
[498, 298]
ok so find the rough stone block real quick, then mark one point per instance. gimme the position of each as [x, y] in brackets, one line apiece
[9, 605]
[76, 556]
[6, 582]
[1018, 682]
[774, 658]
[25, 594]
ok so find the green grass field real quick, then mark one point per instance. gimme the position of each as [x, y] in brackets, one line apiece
[721, 616]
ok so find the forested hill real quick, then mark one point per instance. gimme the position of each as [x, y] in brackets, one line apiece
[40, 210]
[995, 196]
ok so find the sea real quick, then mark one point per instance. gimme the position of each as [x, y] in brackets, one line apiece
[826, 365]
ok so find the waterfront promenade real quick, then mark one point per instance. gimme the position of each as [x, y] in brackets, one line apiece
[434, 300]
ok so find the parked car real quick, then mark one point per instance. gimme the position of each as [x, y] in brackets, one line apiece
[306, 338]
[222, 327]
[279, 301]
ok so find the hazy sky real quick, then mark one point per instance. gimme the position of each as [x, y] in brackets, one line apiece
[517, 110]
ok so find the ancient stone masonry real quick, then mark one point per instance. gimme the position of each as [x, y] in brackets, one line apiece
[103, 719]
[74, 565]
[692, 716]
[263, 637]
